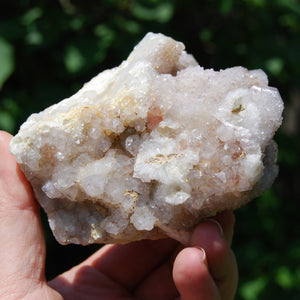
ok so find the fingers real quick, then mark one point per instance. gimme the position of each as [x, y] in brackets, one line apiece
[16, 192]
[144, 268]
[127, 265]
[130, 264]
[22, 250]
[159, 284]
[192, 277]
[221, 260]
[227, 220]
[208, 270]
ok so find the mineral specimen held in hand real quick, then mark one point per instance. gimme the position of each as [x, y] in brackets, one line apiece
[148, 149]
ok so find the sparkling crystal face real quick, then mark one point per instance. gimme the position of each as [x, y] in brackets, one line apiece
[149, 148]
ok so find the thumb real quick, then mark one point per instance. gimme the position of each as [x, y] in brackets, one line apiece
[192, 277]
[22, 251]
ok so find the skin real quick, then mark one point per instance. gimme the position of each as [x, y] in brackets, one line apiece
[162, 269]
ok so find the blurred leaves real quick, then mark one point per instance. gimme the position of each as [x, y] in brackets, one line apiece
[252, 289]
[7, 60]
[285, 278]
[48, 49]
[8, 113]
[74, 59]
[7, 121]
[31, 16]
[162, 12]
[274, 65]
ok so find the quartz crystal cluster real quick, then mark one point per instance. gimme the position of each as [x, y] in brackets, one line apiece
[149, 148]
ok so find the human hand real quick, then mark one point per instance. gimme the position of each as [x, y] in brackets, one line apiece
[161, 269]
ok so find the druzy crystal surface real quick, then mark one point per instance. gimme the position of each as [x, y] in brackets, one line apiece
[149, 148]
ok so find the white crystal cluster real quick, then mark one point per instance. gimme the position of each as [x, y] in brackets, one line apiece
[151, 147]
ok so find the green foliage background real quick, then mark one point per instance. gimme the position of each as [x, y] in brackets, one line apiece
[48, 49]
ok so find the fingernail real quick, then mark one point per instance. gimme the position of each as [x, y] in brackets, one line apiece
[218, 224]
[204, 253]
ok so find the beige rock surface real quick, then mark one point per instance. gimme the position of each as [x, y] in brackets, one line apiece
[149, 148]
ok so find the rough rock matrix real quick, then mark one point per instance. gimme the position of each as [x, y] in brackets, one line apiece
[148, 149]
